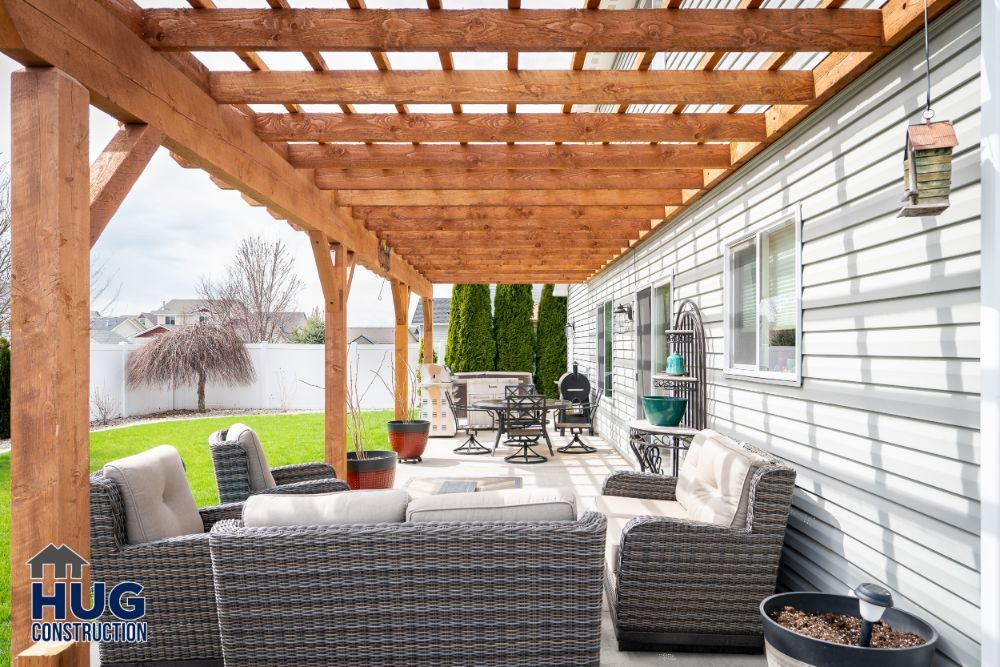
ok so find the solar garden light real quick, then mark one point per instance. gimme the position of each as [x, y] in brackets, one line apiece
[873, 600]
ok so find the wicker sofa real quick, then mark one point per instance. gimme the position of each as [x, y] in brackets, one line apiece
[419, 591]
[690, 558]
[241, 469]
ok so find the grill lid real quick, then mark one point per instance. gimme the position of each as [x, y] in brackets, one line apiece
[574, 386]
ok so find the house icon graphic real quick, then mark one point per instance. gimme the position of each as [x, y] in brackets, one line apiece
[60, 558]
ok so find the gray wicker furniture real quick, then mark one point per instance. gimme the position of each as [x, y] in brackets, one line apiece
[678, 583]
[176, 575]
[437, 593]
[238, 476]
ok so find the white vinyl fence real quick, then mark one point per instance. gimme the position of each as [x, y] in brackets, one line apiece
[289, 377]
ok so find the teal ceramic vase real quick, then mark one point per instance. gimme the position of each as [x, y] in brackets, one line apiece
[675, 364]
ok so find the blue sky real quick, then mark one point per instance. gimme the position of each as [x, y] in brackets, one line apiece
[176, 226]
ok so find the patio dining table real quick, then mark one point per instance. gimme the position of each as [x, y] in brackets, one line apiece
[498, 406]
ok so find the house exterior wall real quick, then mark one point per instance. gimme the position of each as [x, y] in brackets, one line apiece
[884, 429]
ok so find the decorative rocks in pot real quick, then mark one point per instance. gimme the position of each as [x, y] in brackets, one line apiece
[409, 438]
[826, 630]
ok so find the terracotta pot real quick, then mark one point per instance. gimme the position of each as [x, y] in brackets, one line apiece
[377, 470]
[409, 439]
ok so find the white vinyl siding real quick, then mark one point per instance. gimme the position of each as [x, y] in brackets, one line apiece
[883, 431]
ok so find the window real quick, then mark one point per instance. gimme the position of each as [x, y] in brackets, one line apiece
[605, 347]
[663, 319]
[202, 318]
[169, 319]
[763, 305]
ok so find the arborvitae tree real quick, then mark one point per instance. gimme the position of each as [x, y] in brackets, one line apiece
[515, 336]
[475, 349]
[551, 345]
[458, 293]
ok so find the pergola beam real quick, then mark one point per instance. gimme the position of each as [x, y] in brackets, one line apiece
[561, 227]
[127, 79]
[492, 156]
[116, 170]
[521, 87]
[505, 179]
[376, 214]
[509, 197]
[490, 30]
[485, 127]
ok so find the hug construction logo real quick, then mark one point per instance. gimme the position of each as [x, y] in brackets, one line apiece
[71, 619]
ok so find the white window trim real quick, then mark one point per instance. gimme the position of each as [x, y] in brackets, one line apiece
[659, 364]
[793, 214]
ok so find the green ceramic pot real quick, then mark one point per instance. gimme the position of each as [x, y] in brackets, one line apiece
[664, 410]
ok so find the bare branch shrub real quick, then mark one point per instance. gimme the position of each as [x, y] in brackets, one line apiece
[192, 355]
[105, 405]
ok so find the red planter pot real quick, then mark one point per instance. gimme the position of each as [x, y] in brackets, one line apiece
[409, 439]
[377, 470]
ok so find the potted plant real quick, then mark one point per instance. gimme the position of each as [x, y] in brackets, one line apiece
[862, 630]
[366, 468]
[408, 436]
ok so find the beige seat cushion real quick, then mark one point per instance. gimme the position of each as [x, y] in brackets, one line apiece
[260, 471]
[156, 495]
[620, 510]
[325, 509]
[714, 481]
[507, 505]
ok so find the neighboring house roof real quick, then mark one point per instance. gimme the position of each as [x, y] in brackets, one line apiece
[442, 313]
[107, 323]
[290, 321]
[174, 306]
[109, 337]
[375, 335]
[155, 330]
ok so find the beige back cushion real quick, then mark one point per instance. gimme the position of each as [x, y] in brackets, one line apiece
[260, 471]
[507, 505]
[325, 509]
[714, 481]
[156, 495]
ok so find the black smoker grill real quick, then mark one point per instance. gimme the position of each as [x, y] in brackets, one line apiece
[574, 386]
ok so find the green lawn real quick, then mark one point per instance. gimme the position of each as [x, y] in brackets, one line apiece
[287, 439]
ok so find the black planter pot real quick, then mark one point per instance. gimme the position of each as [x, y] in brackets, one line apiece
[786, 648]
[377, 470]
[409, 439]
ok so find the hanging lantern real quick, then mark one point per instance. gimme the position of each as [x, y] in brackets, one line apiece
[927, 168]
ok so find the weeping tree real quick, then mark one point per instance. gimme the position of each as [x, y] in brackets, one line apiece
[475, 349]
[512, 328]
[191, 355]
[551, 345]
[458, 293]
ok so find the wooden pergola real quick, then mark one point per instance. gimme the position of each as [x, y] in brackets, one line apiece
[419, 198]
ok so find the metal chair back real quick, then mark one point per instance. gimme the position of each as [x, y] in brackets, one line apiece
[519, 390]
[525, 411]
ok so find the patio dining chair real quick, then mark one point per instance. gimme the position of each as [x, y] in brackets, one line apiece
[519, 390]
[525, 426]
[577, 419]
[241, 469]
[469, 427]
[145, 527]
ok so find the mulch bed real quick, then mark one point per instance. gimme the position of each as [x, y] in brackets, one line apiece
[842, 629]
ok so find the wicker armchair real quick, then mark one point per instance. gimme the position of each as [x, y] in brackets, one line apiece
[678, 583]
[176, 575]
[439, 593]
[236, 471]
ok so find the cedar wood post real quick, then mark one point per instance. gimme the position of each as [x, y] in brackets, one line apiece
[50, 295]
[401, 367]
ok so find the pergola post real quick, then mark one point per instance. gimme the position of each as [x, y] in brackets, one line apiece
[50, 241]
[427, 303]
[401, 367]
[335, 273]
